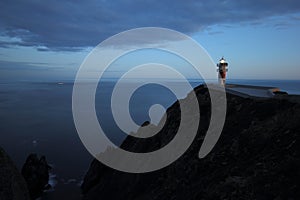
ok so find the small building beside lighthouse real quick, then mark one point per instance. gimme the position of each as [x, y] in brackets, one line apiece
[222, 68]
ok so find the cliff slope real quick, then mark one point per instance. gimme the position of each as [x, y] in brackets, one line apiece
[256, 157]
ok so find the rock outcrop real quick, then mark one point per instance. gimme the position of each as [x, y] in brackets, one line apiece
[12, 184]
[36, 173]
[256, 157]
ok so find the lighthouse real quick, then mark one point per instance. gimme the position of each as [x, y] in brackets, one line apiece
[222, 68]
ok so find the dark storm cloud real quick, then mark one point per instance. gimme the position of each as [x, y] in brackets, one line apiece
[69, 25]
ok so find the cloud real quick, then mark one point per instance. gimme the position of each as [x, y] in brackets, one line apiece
[14, 65]
[73, 24]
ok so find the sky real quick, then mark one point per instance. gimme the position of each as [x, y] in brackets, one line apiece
[48, 40]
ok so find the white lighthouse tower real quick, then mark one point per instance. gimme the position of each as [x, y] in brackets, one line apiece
[222, 68]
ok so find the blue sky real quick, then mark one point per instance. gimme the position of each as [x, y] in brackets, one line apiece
[42, 40]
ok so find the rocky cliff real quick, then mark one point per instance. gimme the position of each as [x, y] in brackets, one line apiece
[36, 174]
[12, 184]
[256, 157]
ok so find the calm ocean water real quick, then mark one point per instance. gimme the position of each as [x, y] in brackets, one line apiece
[37, 117]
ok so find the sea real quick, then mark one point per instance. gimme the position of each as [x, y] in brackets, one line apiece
[36, 117]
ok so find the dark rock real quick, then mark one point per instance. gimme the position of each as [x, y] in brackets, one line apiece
[36, 173]
[256, 157]
[280, 93]
[12, 184]
[146, 123]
